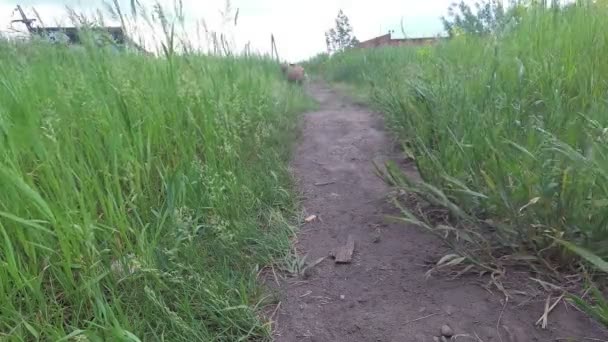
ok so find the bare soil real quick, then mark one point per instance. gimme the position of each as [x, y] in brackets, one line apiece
[383, 294]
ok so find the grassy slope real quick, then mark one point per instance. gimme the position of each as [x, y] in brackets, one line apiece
[510, 127]
[139, 196]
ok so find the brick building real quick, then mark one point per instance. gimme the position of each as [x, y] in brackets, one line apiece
[387, 40]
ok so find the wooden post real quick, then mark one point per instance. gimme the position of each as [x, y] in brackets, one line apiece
[273, 47]
[24, 19]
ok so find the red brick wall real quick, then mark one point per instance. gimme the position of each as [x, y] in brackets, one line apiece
[413, 42]
[386, 40]
[375, 42]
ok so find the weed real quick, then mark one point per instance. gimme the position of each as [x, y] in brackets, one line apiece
[507, 130]
[139, 194]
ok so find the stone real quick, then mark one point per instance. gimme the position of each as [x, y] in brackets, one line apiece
[447, 331]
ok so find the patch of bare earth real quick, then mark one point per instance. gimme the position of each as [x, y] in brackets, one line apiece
[382, 294]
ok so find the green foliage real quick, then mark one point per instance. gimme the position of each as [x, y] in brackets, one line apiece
[487, 16]
[517, 118]
[598, 309]
[140, 195]
[510, 127]
[598, 306]
[341, 37]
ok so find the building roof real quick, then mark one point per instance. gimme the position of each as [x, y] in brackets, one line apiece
[71, 33]
[387, 40]
[116, 33]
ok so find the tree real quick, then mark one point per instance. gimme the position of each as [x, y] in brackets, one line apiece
[341, 37]
[489, 16]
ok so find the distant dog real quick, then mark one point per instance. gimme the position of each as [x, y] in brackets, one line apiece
[294, 73]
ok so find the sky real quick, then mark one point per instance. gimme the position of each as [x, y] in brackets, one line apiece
[298, 26]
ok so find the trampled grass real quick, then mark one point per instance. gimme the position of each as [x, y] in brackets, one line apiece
[511, 127]
[140, 195]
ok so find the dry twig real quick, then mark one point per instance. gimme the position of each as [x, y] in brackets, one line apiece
[548, 308]
[324, 183]
[500, 317]
[420, 318]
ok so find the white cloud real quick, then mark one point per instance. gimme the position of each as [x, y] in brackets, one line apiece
[297, 26]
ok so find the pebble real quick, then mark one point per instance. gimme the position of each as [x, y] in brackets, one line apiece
[447, 331]
[421, 338]
[435, 339]
[449, 310]
[342, 297]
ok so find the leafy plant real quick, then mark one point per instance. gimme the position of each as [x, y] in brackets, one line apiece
[341, 36]
[598, 308]
[486, 16]
[507, 129]
[140, 194]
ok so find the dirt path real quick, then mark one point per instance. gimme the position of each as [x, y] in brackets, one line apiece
[380, 296]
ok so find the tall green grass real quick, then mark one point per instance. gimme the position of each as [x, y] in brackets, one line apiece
[139, 196]
[509, 132]
[511, 127]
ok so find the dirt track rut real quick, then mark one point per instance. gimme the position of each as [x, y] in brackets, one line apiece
[383, 294]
